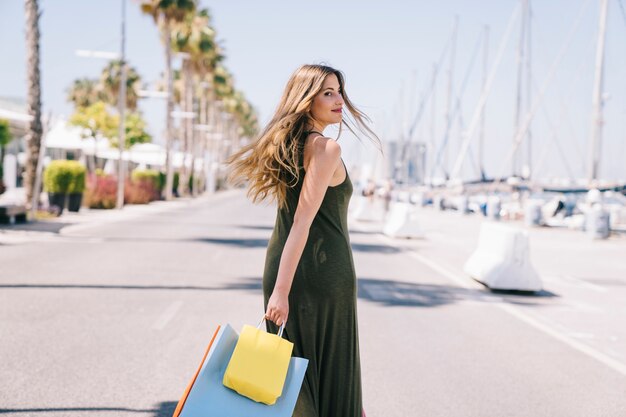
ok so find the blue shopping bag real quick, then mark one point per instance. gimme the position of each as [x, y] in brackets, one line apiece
[206, 395]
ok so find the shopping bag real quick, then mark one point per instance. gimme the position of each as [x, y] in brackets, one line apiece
[206, 396]
[258, 367]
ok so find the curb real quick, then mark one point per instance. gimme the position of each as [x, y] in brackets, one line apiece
[70, 222]
[130, 212]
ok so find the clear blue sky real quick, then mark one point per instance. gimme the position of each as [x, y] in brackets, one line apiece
[386, 49]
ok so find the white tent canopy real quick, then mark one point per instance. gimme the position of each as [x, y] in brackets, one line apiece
[64, 136]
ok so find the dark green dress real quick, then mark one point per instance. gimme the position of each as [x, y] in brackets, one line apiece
[322, 322]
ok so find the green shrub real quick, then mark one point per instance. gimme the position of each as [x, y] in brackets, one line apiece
[162, 179]
[58, 176]
[63, 176]
[151, 175]
[78, 183]
[176, 181]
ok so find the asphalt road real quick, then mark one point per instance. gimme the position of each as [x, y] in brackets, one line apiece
[110, 318]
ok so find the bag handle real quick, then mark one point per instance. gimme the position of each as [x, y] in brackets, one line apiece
[280, 330]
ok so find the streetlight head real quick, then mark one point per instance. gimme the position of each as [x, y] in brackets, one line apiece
[183, 114]
[85, 53]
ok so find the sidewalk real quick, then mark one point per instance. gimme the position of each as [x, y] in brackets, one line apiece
[69, 222]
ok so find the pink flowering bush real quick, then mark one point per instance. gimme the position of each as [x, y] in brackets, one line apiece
[101, 191]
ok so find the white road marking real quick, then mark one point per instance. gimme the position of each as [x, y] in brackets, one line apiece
[167, 315]
[582, 335]
[586, 284]
[444, 271]
[520, 315]
[574, 282]
[581, 347]
[584, 307]
[465, 283]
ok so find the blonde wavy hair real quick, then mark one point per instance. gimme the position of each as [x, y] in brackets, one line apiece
[271, 162]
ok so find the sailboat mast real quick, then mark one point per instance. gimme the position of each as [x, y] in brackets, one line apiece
[528, 87]
[481, 142]
[448, 109]
[598, 102]
[400, 163]
[433, 109]
[518, 97]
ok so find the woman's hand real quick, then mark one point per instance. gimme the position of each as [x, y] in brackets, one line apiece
[278, 308]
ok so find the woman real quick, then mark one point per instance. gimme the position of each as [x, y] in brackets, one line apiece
[309, 281]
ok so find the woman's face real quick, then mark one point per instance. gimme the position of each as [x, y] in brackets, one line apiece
[328, 103]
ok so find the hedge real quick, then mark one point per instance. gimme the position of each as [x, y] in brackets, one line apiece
[63, 176]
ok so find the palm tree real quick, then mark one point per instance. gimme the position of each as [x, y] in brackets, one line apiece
[206, 61]
[244, 121]
[195, 37]
[165, 13]
[84, 92]
[35, 129]
[244, 114]
[205, 93]
[224, 88]
[178, 87]
[110, 84]
[90, 97]
[224, 85]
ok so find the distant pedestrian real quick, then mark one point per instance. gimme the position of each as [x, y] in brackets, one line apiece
[387, 193]
[309, 275]
[370, 189]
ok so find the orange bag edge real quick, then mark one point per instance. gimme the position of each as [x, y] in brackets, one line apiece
[183, 399]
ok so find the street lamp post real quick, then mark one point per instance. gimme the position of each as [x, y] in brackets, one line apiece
[121, 102]
[184, 116]
[121, 171]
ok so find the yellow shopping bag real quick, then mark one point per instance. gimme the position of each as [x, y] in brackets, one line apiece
[258, 366]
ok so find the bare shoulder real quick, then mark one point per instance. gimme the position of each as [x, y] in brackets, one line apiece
[325, 148]
[326, 152]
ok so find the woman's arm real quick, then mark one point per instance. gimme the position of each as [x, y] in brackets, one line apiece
[325, 157]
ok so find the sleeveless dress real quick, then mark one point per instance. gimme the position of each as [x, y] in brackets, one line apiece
[322, 322]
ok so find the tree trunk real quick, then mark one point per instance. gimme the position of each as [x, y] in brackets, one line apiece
[203, 137]
[193, 136]
[95, 154]
[169, 174]
[188, 125]
[35, 129]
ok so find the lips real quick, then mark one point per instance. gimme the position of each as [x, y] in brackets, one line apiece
[337, 111]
